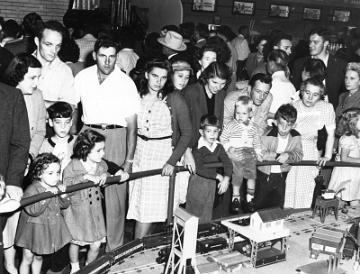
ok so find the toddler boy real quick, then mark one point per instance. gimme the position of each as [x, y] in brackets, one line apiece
[202, 187]
[281, 144]
[242, 133]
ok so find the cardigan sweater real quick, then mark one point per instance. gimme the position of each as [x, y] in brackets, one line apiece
[181, 125]
[37, 119]
[269, 144]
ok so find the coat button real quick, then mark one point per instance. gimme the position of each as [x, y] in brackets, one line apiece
[90, 195]
[98, 198]
[90, 203]
[96, 192]
[149, 111]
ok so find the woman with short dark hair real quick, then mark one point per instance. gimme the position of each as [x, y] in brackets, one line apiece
[207, 96]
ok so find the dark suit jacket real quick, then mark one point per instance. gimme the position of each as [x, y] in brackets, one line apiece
[27, 44]
[14, 141]
[14, 135]
[196, 101]
[334, 79]
[5, 58]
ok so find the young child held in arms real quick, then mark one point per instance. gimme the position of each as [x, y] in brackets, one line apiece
[348, 178]
[61, 144]
[242, 134]
[84, 216]
[202, 185]
[42, 229]
[281, 144]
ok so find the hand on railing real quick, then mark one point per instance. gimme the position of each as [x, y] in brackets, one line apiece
[167, 170]
[123, 175]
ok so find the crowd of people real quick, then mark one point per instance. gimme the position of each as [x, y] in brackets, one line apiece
[82, 105]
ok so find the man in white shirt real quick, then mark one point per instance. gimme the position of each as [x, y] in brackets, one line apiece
[282, 89]
[56, 81]
[241, 44]
[87, 42]
[127, 58]
[110, 105]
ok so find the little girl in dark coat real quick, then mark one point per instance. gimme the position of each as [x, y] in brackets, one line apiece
[84, 216]
[42, 229]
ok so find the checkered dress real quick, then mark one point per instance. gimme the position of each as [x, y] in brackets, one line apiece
[148, 196]
[300, 180]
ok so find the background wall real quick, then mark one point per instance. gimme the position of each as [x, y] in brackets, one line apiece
[262, 22]
[47, 9]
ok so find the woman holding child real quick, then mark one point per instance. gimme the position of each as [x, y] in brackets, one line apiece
[313, 114]
[164, 132]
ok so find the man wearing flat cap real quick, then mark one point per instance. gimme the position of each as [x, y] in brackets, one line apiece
[173, 46]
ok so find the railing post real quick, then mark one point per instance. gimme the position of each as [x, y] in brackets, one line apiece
[171, 196]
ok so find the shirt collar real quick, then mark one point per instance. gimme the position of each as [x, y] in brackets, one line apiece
[172, 55]
[52, 64]
[203, 143]
[325, 60]
[278, 73]
[53, 144]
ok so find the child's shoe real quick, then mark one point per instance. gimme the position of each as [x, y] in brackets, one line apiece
[250, 202]
[235, 204]
[74, 267]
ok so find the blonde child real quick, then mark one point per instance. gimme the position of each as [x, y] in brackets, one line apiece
[42, 229]
[348, 178]
[84, 216]
[242, 134]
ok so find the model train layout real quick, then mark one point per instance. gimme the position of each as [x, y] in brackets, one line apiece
[229, 244]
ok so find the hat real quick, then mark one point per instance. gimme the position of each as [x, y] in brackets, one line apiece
[173, 40]
[181, 65]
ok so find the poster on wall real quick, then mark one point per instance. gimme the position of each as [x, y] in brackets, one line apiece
[311, 14]
[204, 5]
[341, 16]
[243, 8]
[279, 11]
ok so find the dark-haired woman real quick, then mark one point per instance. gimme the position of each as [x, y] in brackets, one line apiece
[207, 96]
[164, 132]
[23, 73]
